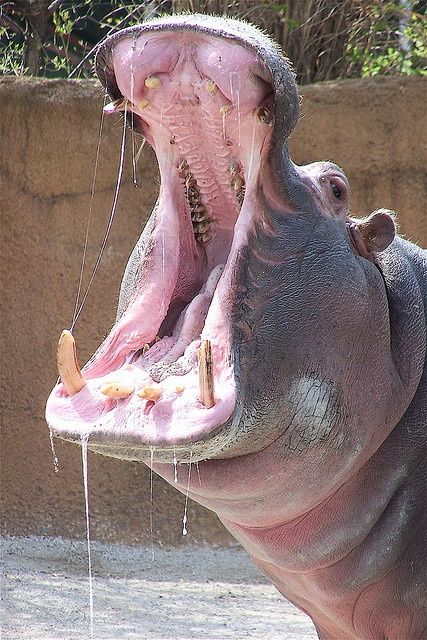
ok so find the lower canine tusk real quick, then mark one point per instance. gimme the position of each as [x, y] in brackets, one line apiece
[69, 370]
[206, 379]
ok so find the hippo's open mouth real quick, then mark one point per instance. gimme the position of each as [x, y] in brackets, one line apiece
[164, 376]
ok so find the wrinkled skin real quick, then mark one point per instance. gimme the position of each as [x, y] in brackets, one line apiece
[312, 455]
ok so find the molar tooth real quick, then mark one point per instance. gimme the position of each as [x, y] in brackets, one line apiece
[190, 181]
[237, 183]
[183, 168]
[211, 87]
[149, 393]
[264, 115]
[152, 82]
[206, 237]
[206, 379]
[198, 208]
[144, 103]
[193, 192]
[241, 195]
[68, 368]
[235, 167]
[116, 390]
[199, 214]
[202, 227]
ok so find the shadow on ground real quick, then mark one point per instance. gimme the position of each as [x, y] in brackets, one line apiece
[139, 594]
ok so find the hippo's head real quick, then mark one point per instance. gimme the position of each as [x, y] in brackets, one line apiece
[253, 310]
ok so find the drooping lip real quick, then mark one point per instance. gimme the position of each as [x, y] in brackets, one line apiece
[177, 417]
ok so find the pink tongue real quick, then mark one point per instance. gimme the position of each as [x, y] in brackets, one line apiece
[118, 346]
[191, 321]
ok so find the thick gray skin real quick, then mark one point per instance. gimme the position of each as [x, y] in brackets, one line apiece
[329, 431]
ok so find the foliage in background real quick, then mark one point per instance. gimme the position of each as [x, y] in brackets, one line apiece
[325, 39]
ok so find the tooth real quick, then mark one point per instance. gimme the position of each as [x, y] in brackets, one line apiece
[199, 214]
[183, 168]
[68, 368]
[264, 115]
[117, 105]
[224, 109]
[193, 192]
[152, 82]
[235, 168]
[149, 393]
[206, 379]
[190, 180]
[202, 227]
[145, 348]
[116, 390]
[237, 183]
[211, 87]
[206, 237]
[143, 104]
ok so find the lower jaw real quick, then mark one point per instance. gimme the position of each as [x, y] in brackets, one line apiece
[162, 412]
[171, 417]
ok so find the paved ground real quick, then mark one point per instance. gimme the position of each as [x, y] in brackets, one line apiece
[201, 593]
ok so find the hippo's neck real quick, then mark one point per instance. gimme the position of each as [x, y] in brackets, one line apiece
[345, 554]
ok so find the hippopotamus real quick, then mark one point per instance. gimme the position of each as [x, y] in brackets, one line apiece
[264, 334]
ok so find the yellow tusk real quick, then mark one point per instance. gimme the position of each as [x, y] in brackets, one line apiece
[68, 368]
[206, 379]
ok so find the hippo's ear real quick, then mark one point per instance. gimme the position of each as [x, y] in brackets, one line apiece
[374, 233]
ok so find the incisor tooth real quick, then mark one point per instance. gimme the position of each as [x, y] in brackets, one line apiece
[206, 379]
[211, 87]
[152, 82]
[116, 390]
[149, 393]
[68, 368]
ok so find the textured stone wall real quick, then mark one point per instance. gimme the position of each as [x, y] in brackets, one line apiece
[49, 132]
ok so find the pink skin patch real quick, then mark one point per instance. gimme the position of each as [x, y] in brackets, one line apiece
[197, 101]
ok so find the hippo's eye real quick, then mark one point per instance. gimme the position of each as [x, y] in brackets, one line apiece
[336, 191]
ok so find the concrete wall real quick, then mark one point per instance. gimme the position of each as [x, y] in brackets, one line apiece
[48, 139]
